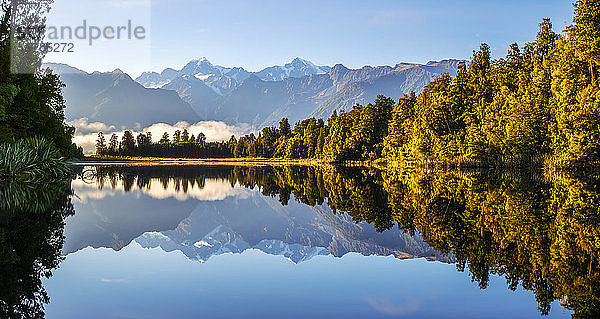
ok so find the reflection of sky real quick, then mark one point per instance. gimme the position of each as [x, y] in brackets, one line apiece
[149, 283]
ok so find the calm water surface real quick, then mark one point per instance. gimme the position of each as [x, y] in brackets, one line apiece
[263, 242]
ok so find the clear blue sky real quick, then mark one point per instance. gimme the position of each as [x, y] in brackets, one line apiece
[258, 33]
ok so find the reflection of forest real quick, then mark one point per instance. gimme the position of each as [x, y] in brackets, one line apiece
[541, 233]
[31, 239]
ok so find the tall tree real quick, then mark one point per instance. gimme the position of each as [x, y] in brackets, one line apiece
[127, 143]
[177, 137]
[165, 138]
[113, 144]
[185, 136]
[101, 144]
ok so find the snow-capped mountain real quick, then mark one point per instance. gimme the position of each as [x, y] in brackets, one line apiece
[296, 232]
[203, 69]
[296, 90]
[202, 213]
[295, 69]
[223, 79]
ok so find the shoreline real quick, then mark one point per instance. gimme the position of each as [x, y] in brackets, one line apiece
[92, 160]
[536, 165]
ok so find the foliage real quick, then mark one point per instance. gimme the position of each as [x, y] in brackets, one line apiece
[31, 102]
[32, 161]
[32, 221]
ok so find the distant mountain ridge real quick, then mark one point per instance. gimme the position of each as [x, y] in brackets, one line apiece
[203, 91]
[296, 90]
[114, 98]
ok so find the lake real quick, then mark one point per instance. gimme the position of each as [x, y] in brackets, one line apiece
[143, 241]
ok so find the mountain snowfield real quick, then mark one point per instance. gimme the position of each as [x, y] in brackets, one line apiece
[211, 74]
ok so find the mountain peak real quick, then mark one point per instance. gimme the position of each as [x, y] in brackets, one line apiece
[200, 61]
[61, 68]
[339, 67]
[299, 61]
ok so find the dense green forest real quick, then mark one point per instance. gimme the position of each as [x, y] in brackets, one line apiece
[31, 102]
[538, 232]
[540, 102]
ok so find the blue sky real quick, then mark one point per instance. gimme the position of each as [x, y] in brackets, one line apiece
[258, 33]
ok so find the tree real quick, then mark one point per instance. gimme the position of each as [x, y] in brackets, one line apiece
[185, 136]
[101, 145]
[284, 127]
[113, 144]
[201, 139]
[177, 137]
[127, 143]
[31, 102]
[576, 88]
[142, 140]
[165, 138]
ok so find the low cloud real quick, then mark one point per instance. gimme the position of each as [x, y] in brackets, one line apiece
[83, 126]
[86, 133]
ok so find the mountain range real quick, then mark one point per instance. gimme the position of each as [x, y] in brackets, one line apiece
[296, 90]
[116, 99]
[203, 91]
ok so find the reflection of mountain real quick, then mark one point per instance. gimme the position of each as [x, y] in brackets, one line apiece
[213, 216]
[294, 231]
[113, 218]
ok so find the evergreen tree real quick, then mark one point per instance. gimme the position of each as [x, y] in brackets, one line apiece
[185, 136]
[284, 127]
[31, 101]
[575, 88]
[177, 137]
[165, 138]
[127, 143]
[201, 139]
[113, 144]
[101, 145]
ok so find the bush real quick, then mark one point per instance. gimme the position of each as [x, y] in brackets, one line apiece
[31, 160]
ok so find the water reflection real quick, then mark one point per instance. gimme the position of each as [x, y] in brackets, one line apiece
[31, 238]
[208, 211]
[540, 233]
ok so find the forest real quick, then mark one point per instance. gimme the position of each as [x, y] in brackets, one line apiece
[539, 104]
